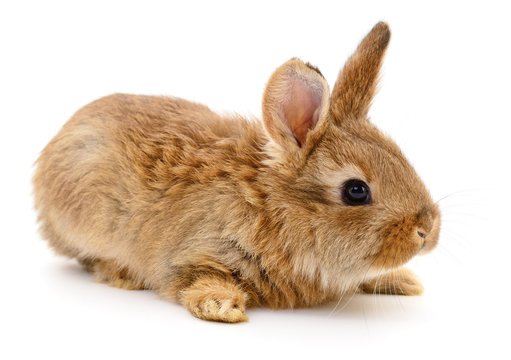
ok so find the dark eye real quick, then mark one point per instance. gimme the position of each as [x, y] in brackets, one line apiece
[356, 192]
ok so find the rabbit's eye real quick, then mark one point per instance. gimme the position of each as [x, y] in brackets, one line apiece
[356, 192]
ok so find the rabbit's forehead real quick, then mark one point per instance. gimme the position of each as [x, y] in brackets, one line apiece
[378, 163]
[366, 153]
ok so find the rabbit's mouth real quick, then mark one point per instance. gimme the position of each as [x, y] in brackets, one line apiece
[407, 237]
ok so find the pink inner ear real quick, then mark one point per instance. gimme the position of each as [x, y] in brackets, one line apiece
[301, 108]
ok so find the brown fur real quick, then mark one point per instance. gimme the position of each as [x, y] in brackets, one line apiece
[221, 213]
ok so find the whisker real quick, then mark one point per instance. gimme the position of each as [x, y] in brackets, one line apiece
[457, 193]
[396, 280]
[449, 253]
[377, 284]
[448, 234]
[354, 292]
[450, 216]
[345, 304]
[336, 305]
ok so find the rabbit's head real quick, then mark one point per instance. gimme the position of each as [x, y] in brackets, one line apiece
[351, 199]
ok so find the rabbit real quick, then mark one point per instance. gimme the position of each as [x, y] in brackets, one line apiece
[222, 213]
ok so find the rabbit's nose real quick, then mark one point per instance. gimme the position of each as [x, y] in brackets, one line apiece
[422, 234]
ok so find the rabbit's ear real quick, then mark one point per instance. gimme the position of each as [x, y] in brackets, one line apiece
[295, 102]
[356, 83]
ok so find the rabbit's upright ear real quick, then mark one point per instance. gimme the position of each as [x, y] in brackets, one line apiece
[295, 103]
[356, 83]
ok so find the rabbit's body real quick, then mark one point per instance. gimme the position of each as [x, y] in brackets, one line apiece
[176, 163]
[220, 213]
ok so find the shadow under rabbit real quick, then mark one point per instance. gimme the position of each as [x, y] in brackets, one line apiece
[69, 279]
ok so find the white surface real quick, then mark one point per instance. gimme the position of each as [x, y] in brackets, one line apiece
[444, 98]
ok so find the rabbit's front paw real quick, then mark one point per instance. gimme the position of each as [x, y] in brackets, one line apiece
[215, 299]
[398, 282]
[226, 310]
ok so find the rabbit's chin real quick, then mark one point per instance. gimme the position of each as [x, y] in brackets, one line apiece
[347, 282]
[335, 279]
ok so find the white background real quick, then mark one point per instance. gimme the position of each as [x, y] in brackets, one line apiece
[444, 98]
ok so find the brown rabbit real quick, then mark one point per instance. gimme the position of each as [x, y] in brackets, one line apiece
[221, 213]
